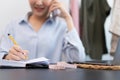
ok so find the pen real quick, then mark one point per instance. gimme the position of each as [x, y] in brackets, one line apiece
[12, 39]
[14, 42]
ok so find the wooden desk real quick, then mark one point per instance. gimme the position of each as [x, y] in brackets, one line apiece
[68, 74]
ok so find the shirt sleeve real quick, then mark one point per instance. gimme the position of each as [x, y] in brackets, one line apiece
[72, 47]
[4, 47]
[5, 43]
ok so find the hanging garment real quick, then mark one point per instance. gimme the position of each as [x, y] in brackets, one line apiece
[80, 25]
[114, 42]
[93, 15]
[115, 26]
[74, 9]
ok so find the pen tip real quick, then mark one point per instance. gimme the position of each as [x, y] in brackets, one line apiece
[8, 34]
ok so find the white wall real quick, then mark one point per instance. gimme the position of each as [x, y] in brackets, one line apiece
[11, 9]
[107, 25]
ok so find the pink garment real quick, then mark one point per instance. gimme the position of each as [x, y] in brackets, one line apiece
[74, 7]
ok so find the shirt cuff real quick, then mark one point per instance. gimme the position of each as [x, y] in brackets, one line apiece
[2, 55]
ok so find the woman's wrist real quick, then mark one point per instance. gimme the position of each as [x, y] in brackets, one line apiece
[69, 22]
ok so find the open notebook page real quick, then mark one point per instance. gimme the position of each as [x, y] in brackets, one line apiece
[22, 63]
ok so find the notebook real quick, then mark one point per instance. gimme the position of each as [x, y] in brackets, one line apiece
[33, 63]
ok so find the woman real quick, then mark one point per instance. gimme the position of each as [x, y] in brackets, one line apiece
[40, 35]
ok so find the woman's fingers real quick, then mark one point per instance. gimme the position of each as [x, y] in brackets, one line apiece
[55, 4]
[17, 48]
[12, 57]
[16, 53]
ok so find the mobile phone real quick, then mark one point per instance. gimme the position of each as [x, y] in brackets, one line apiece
[54, 13]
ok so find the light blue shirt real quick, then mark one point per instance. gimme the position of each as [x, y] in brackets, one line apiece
[52, 41]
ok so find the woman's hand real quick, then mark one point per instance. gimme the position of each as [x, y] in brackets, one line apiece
[55, 4]
[16, 53]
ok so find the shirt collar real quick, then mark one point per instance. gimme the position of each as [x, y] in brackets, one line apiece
[25, 19]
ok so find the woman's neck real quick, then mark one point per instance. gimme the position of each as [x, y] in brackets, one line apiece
[39, 19]
[37, 22]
